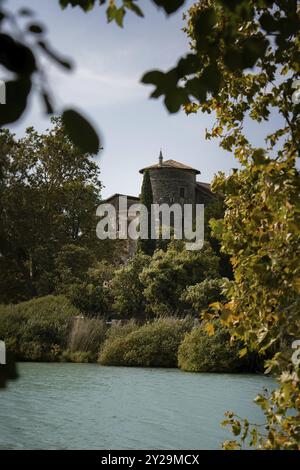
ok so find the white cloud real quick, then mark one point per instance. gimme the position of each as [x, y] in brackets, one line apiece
[100, 79]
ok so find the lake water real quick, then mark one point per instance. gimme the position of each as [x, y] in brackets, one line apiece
[88, 406]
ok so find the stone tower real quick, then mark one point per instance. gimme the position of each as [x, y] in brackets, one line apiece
[172, 182]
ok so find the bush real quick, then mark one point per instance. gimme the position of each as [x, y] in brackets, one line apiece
[151, 345]
[169, 273]
[201, 295]
[38, 329]
[202, 353]
[76, 356]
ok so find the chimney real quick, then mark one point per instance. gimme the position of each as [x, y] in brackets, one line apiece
[160, 158]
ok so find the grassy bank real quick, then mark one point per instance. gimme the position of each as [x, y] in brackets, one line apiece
[51, 329]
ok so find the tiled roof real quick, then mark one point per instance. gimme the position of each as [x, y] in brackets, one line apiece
[116, 195]
[203, 185]
[170, 164]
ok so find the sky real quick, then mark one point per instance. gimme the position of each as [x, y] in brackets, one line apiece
[105, 85]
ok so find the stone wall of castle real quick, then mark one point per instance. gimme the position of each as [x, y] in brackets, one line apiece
[170, 185]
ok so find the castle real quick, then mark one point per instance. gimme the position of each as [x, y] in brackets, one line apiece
[172, 182]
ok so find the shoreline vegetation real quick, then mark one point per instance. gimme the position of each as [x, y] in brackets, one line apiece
[51, 329]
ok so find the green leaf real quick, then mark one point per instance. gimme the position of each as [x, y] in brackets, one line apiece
[236, 428]
[188, 65]
[154, 77]
[130, 5]
[85, 5]
[158, 79]
[119, 17]
[169, 6]
[233, 58]
[16, 57]
[80, 131]
[254, 435]
[211, 78]
[204, 23]
[196, 89]
[35, 28]
[268, 22]
[253, 49]
[17, 92]
[175, 99]
[111, 12]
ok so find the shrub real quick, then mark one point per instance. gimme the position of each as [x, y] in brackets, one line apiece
[37, 329]
[169, 273]
[151, 345]
[201, 295]
[202, 353]
[113, 353]
[76, 356]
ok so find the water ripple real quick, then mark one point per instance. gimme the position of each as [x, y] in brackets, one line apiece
[87, 406]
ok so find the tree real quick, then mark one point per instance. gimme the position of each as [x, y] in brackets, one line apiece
[215, 210]
[47, 202]
[84, 281]
[148, 244]
[127, 288]
[260, 231]
[262, 236]
[228, 38]
[170, 272]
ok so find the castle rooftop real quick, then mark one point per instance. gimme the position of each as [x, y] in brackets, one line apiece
[170, 164]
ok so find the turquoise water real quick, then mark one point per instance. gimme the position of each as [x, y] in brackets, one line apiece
[87, 406]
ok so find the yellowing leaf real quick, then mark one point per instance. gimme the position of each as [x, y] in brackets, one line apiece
[210, 329]
[297, 284]
[243, 352]
[216, 306]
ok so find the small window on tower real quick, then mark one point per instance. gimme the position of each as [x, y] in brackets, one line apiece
[181, 192]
